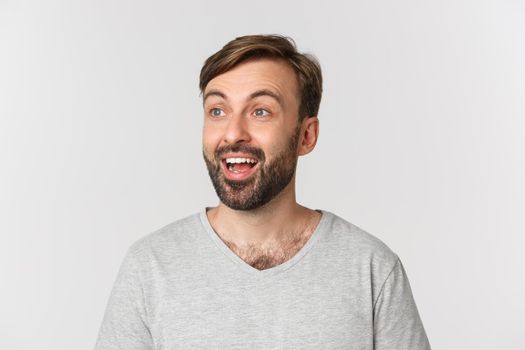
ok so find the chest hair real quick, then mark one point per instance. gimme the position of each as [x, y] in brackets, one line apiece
[270, 255]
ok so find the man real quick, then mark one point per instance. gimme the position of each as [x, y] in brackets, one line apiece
[260, 271]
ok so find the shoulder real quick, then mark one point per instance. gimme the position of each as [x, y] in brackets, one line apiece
[167, 240]
[356, 238]
[358, 245]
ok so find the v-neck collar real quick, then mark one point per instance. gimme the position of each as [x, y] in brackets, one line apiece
[244, 266]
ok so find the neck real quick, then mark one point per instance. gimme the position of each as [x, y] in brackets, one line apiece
[274, 222]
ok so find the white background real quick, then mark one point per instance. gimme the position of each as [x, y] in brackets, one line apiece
[421, 144]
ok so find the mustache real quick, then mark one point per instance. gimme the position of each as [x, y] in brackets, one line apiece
[252, 151]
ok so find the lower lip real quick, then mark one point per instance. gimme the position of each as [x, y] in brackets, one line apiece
[238, 176]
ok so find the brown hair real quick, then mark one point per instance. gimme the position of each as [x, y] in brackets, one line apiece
[306, 66]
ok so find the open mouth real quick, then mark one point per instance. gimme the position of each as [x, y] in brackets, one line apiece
[239, 168]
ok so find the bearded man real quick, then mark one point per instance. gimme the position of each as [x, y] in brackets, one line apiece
[259, 270]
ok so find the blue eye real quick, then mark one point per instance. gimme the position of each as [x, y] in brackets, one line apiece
[259, 112]
[217, 112]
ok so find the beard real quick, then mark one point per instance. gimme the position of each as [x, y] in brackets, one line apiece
[263, 185]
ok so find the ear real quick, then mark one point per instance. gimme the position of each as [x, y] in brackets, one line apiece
[308, 136]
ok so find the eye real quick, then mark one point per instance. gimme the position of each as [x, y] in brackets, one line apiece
[260, 112]
[217, 112]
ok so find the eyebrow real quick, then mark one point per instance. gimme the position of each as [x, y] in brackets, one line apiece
[265, 92]
[214, 93]
[262, 92]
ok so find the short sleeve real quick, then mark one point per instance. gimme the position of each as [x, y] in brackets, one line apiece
[397, 324]
[125, 323]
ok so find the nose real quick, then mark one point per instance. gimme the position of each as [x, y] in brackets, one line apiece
[236, 130]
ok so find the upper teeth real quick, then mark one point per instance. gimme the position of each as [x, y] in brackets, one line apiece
[240, 160]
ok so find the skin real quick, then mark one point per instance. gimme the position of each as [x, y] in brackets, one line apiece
[274, 232]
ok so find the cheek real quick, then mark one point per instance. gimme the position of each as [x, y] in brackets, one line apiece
[274, 146]
[210, 137]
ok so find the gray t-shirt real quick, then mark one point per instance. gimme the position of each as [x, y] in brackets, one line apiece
[181, 287]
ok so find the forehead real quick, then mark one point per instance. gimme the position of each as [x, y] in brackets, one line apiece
[253, 75]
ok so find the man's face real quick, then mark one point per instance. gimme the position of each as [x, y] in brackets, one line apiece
[251, 132]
